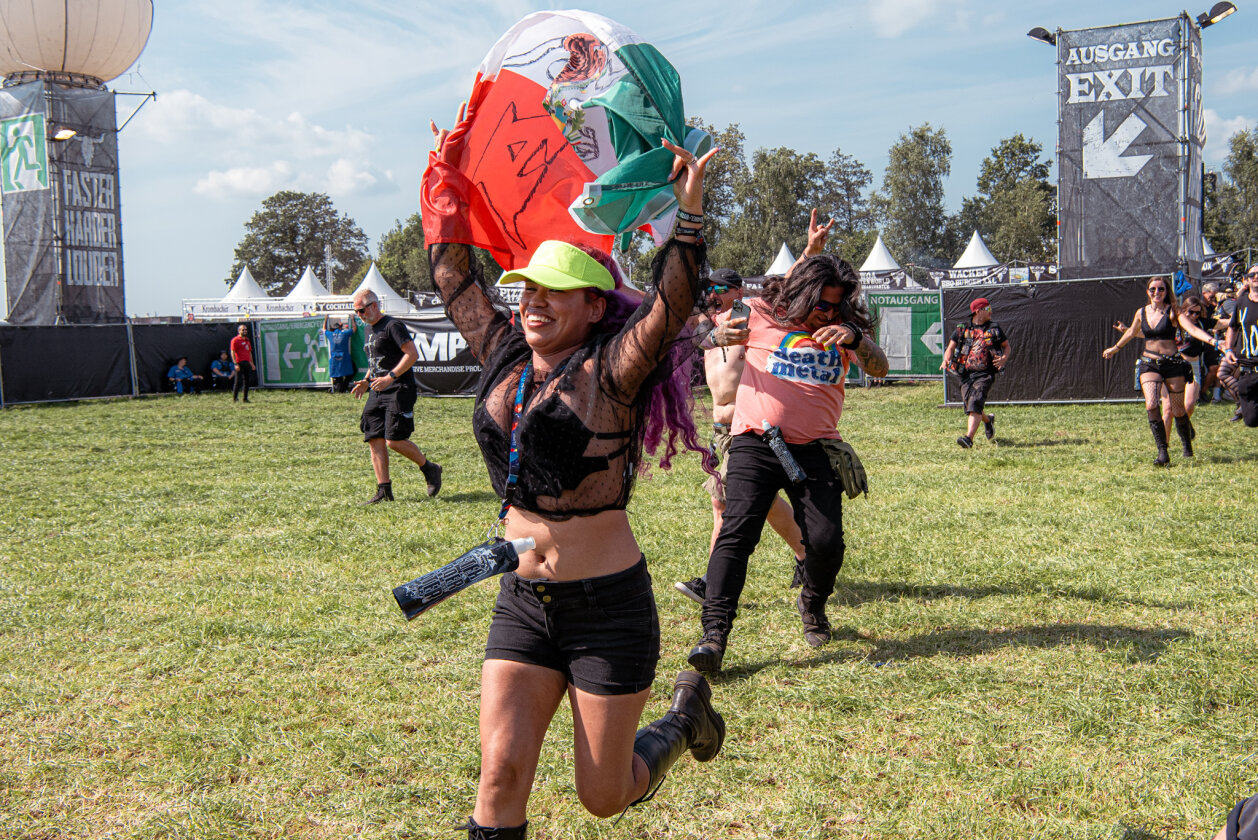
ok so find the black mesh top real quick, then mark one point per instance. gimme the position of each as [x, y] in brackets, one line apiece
[580, 431]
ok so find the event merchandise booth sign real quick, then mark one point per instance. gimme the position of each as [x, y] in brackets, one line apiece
[1131, 131]
[293, 353]
[910, 332]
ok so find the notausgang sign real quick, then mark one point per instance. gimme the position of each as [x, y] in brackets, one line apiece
[1130, 149]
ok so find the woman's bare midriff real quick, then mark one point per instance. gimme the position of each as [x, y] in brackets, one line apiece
[576, 548]
[1159, 347]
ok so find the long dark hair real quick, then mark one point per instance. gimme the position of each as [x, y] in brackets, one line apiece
[791, 299]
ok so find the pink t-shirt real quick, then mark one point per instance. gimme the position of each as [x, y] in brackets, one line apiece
[789, 380]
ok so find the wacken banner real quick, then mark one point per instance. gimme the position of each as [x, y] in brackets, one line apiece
[1131, 130]
[951, 278]
[898, 280]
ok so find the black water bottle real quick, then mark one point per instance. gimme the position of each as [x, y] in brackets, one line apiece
[492, 557]
[778, 444]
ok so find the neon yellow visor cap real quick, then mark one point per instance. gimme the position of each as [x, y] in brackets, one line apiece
[560, 266]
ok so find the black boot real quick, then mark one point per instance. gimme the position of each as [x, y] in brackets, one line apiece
[1183, 427]
[708, 654]
[690, 724]
[816, 625]
[1159, 437]
[475, 831]
[432, 474]
[384, 493]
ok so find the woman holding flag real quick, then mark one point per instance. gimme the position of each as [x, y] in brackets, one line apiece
[569, 395]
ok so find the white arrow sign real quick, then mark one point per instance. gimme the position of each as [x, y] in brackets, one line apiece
[290, 354]
[933, 338]
[1102, 157]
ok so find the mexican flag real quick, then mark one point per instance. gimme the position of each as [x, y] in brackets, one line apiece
[561, 140]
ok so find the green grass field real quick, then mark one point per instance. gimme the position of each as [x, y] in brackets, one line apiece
[1042, 638]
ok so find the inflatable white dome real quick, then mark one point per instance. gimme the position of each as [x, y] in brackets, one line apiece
[75, 41]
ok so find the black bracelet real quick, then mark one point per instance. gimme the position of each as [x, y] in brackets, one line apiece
[689, 217]
[856, 340]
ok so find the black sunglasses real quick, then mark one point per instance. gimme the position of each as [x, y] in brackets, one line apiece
[826, 306]
[361, 310]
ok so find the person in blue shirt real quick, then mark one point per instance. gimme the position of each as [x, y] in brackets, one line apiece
[340, 359]
[182, 379]
[221, 370]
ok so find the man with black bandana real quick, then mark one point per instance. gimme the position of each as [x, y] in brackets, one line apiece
[389, 416]
[1239, 371]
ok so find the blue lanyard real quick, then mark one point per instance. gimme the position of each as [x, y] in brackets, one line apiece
[513, 455]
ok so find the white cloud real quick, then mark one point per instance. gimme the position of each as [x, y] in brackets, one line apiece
[246, 181]
[183, 116]
[892, 18]
[1219, 131]
[1240, 80]
[346, 177]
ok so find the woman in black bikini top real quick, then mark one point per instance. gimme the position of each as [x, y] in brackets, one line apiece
[1160, 364]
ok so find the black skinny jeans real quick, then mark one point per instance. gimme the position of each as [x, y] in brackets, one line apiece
[240, 380]
[752, 480]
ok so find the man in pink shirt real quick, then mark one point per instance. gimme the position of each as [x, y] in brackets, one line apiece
[800, 338]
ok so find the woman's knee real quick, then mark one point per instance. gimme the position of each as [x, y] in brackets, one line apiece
[600, 798]
[503, 779]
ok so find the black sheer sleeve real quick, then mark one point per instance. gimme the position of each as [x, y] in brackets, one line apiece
[645, 342]
[460, 281]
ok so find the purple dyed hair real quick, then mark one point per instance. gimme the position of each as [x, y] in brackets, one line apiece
[669, 405]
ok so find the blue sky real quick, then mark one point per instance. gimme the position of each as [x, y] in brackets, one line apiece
[255, 96]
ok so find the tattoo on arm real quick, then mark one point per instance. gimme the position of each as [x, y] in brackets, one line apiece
[871, 358]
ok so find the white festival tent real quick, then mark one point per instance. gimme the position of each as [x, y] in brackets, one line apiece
[1207, 250]
[307, 288]
[879, 259]
[391, 303]
[308, 298]
[245, 288]
[976, 254]
[782, 262]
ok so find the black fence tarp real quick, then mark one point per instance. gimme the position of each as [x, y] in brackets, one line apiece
[158, 346]
[1057, 332]
[47, 364]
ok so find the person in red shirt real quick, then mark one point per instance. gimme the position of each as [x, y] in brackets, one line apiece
[242, 358]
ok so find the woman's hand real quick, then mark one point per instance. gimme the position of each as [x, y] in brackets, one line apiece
[687, 177]
[817, 235]
[1109, 352]
[439, 135]
[1120, 326]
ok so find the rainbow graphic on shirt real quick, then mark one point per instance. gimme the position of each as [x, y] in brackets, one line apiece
[798, 358]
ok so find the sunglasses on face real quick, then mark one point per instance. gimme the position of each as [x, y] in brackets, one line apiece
[826, 307]
[1153, 289]
[718, 290]
[361, 309]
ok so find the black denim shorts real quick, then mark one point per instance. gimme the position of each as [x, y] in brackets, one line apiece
[602, 633]
[389, 414]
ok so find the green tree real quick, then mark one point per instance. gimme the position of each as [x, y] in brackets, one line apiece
[774, 203]
[403, 258]
[910, 203]
[724, 173]
[845, 195]
[293, 231]
[1235, 213]
[1014, 210]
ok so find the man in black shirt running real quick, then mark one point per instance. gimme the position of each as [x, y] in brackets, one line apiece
[1239, 371]
[389, 415]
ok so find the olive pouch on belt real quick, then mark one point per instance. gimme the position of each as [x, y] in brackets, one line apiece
[847, 467]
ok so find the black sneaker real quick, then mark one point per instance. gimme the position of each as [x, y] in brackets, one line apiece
[384, 493]
[989, 426]
[965, 442]
[1237, 415]
[432, 474]
[696, 589]
[816, 625]
[708, 654]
